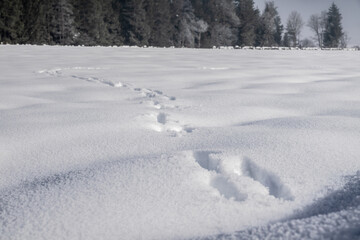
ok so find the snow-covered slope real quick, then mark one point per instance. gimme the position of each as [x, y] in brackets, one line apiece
[130, 143]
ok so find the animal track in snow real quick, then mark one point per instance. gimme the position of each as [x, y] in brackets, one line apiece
[59, 72]
[149, 93]
[266, 178]
[163, 121]
[55, 72]
[160, 121]
[238, 178]
[102, 81]
[219, 181]
[161, 118]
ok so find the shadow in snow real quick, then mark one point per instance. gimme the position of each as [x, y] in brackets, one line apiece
[161, 118]
[347, 197]
[266, 178]
[227, 170]
[336, 216]
[221, 182]
[204, 159]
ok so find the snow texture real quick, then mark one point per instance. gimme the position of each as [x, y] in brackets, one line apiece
[131, 143]
[336, 216]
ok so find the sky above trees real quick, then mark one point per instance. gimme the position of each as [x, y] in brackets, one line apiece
[349, 9]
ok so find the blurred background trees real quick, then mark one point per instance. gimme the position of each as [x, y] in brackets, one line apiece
[162, 23]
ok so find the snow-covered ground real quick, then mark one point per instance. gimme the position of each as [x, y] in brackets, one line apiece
[131, 143]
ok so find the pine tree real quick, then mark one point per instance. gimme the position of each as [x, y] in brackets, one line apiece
[188, 28]
[11, 24]
[222, 20]
[159, 20]
[98, 22]
[111, 16]
[176, 16]
[279, 28]
[36, 17]
[249, 18]
[333, 28]
[62, 28]
[90, 24]
[136, 30]
[269, 26]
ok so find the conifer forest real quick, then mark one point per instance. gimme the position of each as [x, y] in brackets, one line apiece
[161, 23]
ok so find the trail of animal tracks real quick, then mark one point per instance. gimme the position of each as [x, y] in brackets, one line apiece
[131, 143]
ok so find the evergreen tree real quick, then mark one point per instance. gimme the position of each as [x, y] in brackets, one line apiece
[333, 28]
[11, 24]
[190, 28]
[222, 21]
[111, 10]
[159, 20]
[279, 28]
[249, 19]
[269, 26]
[36, 17]
[62, 27]
[176, 15]
[91, 29]
[136, 30]
[187, 28]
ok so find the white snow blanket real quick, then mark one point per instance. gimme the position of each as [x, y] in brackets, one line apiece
[132, 143]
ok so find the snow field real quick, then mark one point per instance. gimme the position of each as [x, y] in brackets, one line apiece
[129, 143]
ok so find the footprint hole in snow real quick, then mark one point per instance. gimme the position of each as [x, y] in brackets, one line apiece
[161, 118]
[227, 188]
[207, 160]
[212, 161]
[158, 92]
[266, 178]
[150, 95]
[189, 129]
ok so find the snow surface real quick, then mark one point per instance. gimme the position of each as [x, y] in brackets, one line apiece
[131, 143]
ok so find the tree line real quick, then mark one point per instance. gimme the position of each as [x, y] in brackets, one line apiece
[162, 23]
